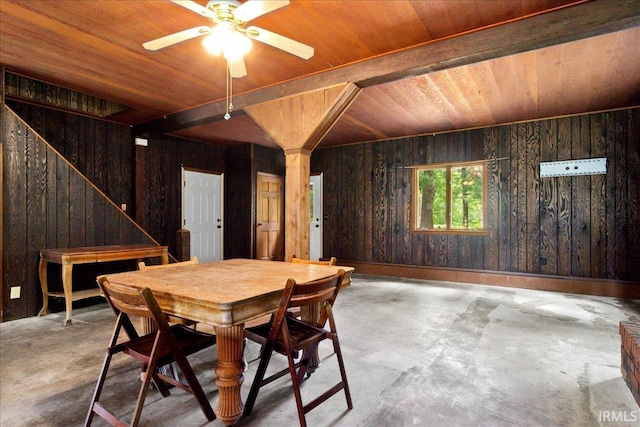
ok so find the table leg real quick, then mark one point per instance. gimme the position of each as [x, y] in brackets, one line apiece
[229, 342]
[42, 271]
[67, 270]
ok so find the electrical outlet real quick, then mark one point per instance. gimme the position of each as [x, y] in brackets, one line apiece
[123, 206]
[15, 292]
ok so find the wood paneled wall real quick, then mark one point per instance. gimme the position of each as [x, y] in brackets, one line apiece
[159, 182]
[586, 226]
[48, 203]
[100, 150]
[243, 163]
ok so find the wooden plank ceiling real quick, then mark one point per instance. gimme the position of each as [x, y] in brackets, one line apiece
[424, 66]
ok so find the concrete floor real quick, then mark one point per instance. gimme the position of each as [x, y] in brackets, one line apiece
[418, 353]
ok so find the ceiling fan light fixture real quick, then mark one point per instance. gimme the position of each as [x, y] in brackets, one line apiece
[225, 40]
[239, 46]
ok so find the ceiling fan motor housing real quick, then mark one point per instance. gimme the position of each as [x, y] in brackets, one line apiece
[223, 10]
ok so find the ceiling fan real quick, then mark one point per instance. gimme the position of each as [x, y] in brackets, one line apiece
[228, 35]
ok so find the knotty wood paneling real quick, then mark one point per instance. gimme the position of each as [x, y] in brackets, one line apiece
[633, 205]
[242, 164]
[563, 226]
[503, 224]
[581, 206]
[14, 213]
[598, 238]
[159, 187]
[160, 163]
[548, 201]
[48, 203]
[238, 192]
[99, 150]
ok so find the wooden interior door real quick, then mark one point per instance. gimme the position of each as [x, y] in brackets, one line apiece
[270, 218]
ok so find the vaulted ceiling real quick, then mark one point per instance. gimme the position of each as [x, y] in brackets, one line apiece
[423, 66]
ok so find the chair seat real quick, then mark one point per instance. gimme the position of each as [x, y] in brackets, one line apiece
[301, 335]
[190, 340]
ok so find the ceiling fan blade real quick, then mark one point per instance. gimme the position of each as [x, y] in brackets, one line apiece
[254, 8]
[178, 37]
[281, 42]
[195, 7]
[237, 68]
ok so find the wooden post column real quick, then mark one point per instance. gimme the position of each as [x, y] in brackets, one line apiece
[296, 218]
[297, 124]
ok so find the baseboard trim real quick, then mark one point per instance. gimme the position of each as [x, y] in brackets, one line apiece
[566, 284]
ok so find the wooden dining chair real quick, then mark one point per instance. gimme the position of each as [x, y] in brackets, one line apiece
[331, 261]
[143, 266]
[165, 345]
[286, 335]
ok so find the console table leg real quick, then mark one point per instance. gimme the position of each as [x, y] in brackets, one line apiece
[42, 271]
[67, 270]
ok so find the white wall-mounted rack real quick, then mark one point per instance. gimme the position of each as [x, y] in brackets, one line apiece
[574, 167]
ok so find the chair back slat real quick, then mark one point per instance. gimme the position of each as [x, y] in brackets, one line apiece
[326, 289]
[311, 298]
[124, 300]
[331, 261]
[143, 266]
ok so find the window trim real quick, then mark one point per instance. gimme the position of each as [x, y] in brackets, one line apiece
[448, 166]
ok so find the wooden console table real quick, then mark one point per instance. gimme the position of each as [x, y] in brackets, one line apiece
[67, 257]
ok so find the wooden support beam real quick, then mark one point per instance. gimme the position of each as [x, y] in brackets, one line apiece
[298, 124]
[296, 212]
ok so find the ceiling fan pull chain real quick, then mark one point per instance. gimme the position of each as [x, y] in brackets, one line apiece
[227, 115]
[230, 88]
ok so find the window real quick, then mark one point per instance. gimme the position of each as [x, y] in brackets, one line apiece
[450, 197]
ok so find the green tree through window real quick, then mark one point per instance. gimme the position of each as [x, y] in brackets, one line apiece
[450, 197]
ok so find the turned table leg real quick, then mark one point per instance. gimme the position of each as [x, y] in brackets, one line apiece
[229, 342]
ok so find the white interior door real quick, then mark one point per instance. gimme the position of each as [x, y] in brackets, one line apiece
[202, 214]
[315, 217]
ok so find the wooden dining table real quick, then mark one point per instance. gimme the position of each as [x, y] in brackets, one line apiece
[225, 294]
